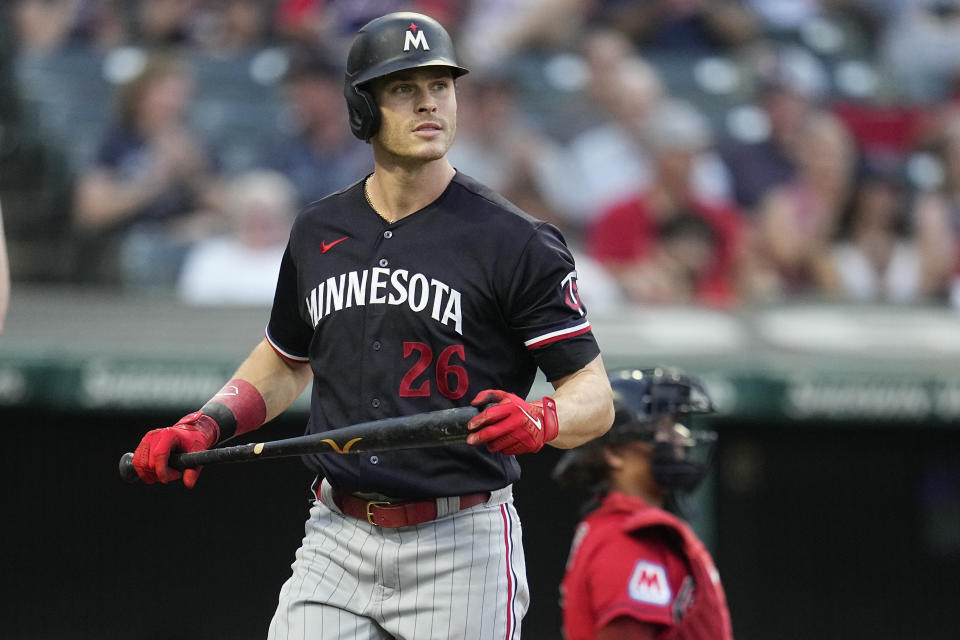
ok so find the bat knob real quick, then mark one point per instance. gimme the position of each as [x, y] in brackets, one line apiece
[127, 472]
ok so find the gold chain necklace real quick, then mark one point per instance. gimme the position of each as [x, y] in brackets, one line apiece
[366, 195]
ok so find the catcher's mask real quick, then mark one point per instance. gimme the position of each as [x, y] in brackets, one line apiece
[394, 42]
[655, 406]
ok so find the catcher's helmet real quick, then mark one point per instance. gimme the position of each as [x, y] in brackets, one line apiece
[655, 406]
[394, 42]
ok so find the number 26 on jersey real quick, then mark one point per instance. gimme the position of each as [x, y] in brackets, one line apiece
[450, 378]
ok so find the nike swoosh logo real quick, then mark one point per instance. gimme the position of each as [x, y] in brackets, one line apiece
[229, 391]
[532, 419]
[324, 247]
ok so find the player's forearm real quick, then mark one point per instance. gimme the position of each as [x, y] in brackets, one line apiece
[279, 382]
[584, 405]
[261, 389]
[103, 201]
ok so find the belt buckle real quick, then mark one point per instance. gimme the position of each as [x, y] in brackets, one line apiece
[370, 505]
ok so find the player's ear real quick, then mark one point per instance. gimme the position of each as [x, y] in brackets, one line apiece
[613, 457]
[363, 112]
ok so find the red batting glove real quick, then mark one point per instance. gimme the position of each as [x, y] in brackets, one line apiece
[513, 425]
[194, 432]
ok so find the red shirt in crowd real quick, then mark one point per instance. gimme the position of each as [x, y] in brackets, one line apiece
[628, 233]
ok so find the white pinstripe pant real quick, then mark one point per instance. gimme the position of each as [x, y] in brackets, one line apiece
[461, 576]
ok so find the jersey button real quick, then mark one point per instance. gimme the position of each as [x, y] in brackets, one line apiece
[377, 346]
[374, 459]
[375, 403]
[388, 234]
[384, 262]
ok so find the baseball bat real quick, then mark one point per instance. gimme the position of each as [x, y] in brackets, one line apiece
[430, 429]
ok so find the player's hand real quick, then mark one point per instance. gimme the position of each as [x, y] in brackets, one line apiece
[513, 425]
[194, 432]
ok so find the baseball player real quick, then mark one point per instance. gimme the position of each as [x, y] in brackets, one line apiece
[635, 570]
[413, 290]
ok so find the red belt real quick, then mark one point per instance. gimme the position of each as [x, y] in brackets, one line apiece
[406, 513]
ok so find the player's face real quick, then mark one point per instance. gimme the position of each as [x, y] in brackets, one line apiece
[629, 468]
[419, 114]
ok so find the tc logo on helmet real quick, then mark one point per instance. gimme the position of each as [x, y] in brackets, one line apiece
[415, 37]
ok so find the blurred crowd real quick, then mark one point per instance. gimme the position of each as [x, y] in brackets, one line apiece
[707, 152]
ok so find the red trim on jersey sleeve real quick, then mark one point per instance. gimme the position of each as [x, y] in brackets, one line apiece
[560, 334]
[286, 355]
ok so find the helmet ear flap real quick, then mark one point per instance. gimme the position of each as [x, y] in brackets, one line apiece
[362, 111]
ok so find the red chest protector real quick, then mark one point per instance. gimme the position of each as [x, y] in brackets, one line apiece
[708, 617]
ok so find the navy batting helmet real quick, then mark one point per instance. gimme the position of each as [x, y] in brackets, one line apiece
[654, 406]
[394, 42]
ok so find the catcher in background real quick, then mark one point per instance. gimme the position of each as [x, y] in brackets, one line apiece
[635, 570]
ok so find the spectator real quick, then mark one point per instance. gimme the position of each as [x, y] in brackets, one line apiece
[153, 187]
[43, 26]
[230, 27]
[491, 137]
[937, 210]
[300, 21]
[320, 155]
[164, 23]
[102, 24]
[798, 220]
[604, 50]
[921, 48]
[497, 147]
[494, 33]
[875, 256]
[35, 182]
[609, 162]
[241, 267]
[687, 27]
[790, 83]
[666, 245]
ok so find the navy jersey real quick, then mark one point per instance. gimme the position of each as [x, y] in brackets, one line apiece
[468, 293]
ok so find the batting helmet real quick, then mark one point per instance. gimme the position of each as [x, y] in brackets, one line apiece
[394, 42]
[655, 406]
